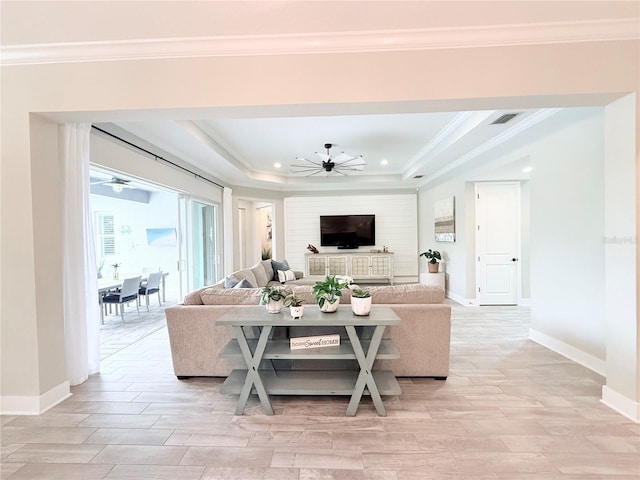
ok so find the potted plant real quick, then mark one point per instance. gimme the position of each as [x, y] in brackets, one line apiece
[273, 298]
[295, 304]
[115, 266]
[432, 256]
[360, 301]
[328, 293]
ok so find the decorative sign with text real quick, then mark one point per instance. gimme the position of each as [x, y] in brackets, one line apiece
[314, 342]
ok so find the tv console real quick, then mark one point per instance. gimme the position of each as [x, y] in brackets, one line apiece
[357, 265]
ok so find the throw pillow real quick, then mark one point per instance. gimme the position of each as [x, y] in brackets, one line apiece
[244, 283]
[286, 275]
[284, 265]
[230, 281]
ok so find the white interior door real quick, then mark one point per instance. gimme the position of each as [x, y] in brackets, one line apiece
[497, 242]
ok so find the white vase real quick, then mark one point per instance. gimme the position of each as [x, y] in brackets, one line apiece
[360, 306]
[274, 306]
[330, 307]
[296, 312]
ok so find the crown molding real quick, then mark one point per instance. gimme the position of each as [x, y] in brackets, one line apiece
[324, 42]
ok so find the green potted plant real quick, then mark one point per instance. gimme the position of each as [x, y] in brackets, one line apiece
[295, 303]
[360, 301]
[115, 266]
[273, 298]
[432, 256]
[328, 293]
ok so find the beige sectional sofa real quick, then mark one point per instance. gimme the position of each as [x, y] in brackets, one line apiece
[422, 337]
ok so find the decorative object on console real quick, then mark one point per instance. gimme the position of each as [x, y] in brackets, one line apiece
[432, 256]
[342, 164]
[360, 301]
[295, 303]
[116, 275]
[328, 292]
[273, 298]
[312, 249]
[445, 220]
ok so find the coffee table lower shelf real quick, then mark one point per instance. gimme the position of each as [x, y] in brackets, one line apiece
[311, 382]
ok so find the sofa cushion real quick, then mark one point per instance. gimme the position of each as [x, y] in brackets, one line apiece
[230, 281]
[193, 298]
[408, 294]
[286, 276]
[231, 296]
[244, 283]
[276, 265]
[246, 274]
[268, 268]
[260, 274]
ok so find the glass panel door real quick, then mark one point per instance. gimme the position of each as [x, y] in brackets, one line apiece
[198, 244]
[204, 244]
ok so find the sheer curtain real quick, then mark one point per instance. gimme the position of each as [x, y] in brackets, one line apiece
[80, 285]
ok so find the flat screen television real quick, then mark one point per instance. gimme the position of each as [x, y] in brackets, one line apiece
[347, 231]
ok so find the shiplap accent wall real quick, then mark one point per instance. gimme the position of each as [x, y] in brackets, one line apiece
[396, 227]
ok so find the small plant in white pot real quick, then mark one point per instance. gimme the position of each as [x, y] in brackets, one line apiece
[328, 293]
[360, 301]
[273, 298]
[295, 303]
[432, 256]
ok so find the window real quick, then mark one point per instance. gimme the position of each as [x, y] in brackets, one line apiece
[106, 234]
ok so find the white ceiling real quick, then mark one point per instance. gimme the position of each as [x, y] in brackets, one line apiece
[418, 147]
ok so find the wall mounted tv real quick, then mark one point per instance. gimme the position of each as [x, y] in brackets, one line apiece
[347, 231]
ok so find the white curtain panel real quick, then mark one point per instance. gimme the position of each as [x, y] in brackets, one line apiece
[80, 285]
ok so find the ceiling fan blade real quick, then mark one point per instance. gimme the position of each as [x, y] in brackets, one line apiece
[343, 157]
[351, 161]
[324, 156]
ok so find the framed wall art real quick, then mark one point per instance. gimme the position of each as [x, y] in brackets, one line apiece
[445, 220]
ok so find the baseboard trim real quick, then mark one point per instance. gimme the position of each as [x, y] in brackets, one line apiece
[466, 302]
[621, 404]
[572, 353]
[33, 404]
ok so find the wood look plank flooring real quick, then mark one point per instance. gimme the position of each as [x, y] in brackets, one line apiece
[510, 410]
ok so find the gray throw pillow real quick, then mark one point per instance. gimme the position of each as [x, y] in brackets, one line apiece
[230, 281]
[244, 283]
[283, 265]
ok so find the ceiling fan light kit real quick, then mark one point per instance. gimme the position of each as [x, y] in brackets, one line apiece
[341, 164]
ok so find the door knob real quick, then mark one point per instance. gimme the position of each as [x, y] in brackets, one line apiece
[514, 259]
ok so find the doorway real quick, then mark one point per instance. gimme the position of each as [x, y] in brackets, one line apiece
[498, 225]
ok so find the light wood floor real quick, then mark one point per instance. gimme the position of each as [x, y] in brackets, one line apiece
[510, 410]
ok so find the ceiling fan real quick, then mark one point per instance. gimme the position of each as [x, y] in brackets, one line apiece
[116, 184]
[342, 163]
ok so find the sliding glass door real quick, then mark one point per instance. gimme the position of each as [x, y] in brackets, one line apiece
[199, 244]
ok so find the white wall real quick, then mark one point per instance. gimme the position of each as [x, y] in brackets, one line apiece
[567, 228]
[562, 231]
[623, 361]
[396, 227]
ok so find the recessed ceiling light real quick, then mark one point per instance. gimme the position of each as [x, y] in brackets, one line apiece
[277, 165]
[384, 162]
[527, 169]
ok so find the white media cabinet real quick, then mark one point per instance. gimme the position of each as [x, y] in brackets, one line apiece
[358, 265]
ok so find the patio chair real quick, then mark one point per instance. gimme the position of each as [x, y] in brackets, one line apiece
[127, 293]
[152, 286]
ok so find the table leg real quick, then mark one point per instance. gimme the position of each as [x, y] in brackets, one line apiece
[253, 360]
[365, 377]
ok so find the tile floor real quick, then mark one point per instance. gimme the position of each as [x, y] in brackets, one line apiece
[510, 410]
